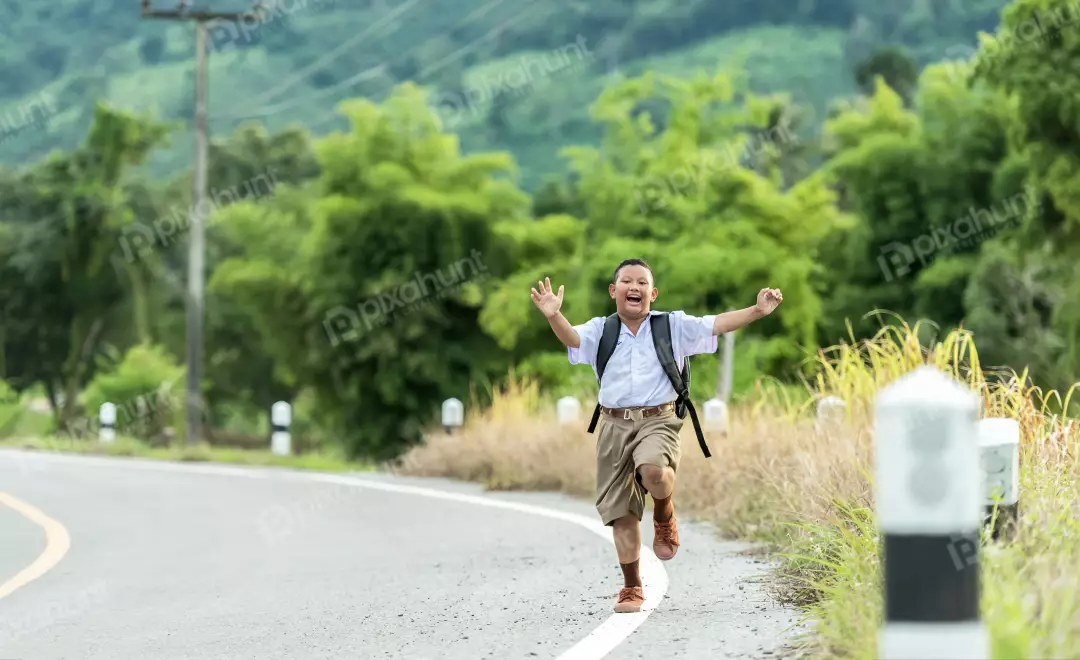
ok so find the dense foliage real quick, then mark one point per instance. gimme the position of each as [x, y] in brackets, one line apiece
[63, 56]
[369, 274]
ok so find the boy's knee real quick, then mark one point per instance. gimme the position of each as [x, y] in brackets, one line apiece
[651, 476]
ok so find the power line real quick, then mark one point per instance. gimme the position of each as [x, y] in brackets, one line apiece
[454, 56]
[332, 55]
[366, 74]
[459, 53]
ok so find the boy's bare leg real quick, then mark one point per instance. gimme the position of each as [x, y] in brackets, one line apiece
[660, 482]
[627, 534]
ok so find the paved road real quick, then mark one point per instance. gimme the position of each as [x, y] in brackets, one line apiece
[169, 564]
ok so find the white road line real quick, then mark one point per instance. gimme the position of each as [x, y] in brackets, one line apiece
[600, 642]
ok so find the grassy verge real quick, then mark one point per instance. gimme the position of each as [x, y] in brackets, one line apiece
[124, 446]
[808, 492]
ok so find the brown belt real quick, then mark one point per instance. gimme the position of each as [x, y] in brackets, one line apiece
[638, 413]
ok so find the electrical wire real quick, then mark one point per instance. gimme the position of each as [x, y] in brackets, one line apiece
[452, 57]
[335, 53]
[367, 74]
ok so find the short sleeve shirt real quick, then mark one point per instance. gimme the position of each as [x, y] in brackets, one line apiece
[634, 376]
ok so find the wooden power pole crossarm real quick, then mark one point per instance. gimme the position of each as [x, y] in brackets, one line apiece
[197, 238]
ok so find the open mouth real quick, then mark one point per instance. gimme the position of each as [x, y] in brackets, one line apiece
[633, 298]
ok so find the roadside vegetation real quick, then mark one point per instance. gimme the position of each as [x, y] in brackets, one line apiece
[806, 492]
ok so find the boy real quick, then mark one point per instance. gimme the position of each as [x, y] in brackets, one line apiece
[637, 444]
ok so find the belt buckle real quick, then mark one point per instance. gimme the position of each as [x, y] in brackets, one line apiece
[634, 414]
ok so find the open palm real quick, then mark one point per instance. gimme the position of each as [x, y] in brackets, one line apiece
[545, 300]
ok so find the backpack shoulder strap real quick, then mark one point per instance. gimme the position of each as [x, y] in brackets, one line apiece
[608, 341]
[680, 378]
[604, 350]
[661, 336]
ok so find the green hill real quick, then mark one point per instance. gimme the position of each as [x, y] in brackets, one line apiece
[295, 64]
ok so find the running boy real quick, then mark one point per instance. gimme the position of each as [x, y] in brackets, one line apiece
[637, 444]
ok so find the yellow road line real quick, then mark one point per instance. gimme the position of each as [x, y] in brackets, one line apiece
[57, 543]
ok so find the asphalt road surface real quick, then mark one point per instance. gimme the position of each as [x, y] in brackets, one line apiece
[118, 559]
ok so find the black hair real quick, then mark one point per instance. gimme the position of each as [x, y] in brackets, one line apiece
[631, 262]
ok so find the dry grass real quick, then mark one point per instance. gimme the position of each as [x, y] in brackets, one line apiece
[809, 491]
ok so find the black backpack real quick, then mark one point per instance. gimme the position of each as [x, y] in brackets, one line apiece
[680, 380]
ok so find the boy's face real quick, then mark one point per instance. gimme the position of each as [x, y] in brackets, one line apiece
[633, 291]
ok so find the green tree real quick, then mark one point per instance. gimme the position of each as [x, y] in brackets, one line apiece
[714, 231]
[65, 216]
[396, 212]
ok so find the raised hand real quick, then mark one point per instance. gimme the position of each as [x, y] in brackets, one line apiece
[768, 300]
[547, 302]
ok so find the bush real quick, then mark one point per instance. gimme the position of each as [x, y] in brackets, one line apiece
[808, 489]
[11, 411]
[146, 387]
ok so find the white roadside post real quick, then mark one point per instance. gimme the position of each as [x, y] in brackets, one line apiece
[453, 415]
[929, 500]
[727, 368]
[999, 449]
[830, 410]
[716, 418]
[568, 410]
[280, 419]
[107, 417]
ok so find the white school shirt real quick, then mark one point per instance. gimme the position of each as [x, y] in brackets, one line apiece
[633, 376]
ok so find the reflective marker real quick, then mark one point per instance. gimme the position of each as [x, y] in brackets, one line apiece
[453, 414]
[107, 416]
[999, 448]
[280, 419]
[568, 410]
[929, 498]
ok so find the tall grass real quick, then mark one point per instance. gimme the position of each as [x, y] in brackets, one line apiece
[808, 490]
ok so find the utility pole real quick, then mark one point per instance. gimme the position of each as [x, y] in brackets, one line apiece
[197, 241]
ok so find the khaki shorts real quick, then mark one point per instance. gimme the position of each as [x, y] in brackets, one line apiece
[624, 445]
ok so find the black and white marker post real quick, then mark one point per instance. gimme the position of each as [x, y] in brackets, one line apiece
[107, 417]
[453, 415]
[999, 446]
[929, 498]
[568, 410]
[280, 418]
